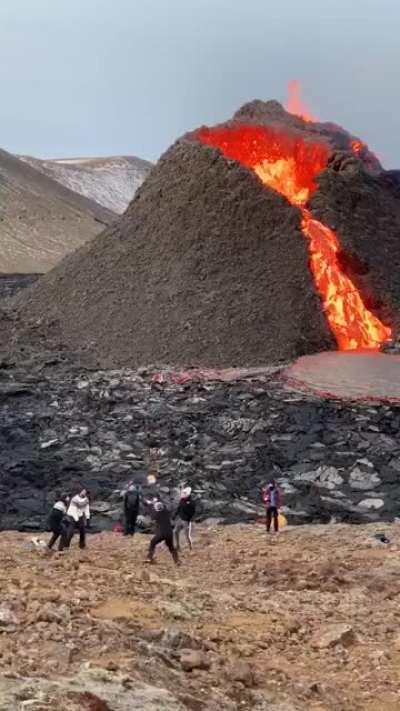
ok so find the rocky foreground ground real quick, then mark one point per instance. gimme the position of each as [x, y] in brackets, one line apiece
[308, 619]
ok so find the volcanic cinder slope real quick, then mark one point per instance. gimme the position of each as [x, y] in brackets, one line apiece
[111, 181]
[220, 259]
[41, 220]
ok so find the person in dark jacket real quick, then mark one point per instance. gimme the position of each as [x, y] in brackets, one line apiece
[164, 531]
[56, 519]
[131, 508]
[272, 503]
[184, 516]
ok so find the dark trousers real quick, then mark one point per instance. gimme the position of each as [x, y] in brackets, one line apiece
[130, 523]
[54, 537]
[272, 513]
[68, 531]
[168, 538]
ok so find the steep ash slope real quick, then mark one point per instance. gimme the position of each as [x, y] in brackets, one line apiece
[41, 220]
[207, 266]
[111, 182]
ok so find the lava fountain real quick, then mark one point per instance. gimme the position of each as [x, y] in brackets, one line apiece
[295, 104]
[289, 164]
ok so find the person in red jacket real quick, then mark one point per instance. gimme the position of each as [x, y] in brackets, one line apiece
[272, 501]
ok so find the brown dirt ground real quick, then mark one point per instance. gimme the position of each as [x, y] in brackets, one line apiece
[237, 596]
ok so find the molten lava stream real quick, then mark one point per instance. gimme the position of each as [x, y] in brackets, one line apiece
[353, 326]
[289, 165]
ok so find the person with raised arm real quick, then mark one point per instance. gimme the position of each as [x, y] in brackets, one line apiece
[272, 502]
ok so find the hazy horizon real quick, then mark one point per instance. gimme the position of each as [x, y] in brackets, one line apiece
[101, 78]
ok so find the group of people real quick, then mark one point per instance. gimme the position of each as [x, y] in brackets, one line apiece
[71, 514]
[168, 527]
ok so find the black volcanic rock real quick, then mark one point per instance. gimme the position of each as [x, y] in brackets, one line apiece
[225, 439]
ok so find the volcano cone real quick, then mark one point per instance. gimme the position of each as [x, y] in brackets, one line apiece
[211, 263]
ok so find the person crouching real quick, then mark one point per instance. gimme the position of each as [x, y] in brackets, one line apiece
[184, 516]
[56, 519]
[78, 516]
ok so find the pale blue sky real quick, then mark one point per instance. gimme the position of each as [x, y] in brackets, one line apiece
[98, 77]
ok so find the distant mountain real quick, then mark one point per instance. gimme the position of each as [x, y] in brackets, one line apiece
[41, 220]
[112, 182]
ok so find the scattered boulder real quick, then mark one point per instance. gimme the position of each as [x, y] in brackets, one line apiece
[7, 616]
[88, 691]
[194, 659]
[363, 480]
[371, 504]
[174, 638]
[243, 672]
[53, 614]
[333, 635]
[179, 610]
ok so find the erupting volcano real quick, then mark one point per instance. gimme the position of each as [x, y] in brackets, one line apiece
[289, 165]
[266, 238]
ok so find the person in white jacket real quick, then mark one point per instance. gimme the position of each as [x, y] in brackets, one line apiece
[78, 516]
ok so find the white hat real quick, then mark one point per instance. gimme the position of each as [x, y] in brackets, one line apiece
[185, 493]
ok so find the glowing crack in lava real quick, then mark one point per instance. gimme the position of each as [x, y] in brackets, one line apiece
[289, 165]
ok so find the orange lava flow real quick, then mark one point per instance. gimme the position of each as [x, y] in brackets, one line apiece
[289, 165]
[295, 105]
